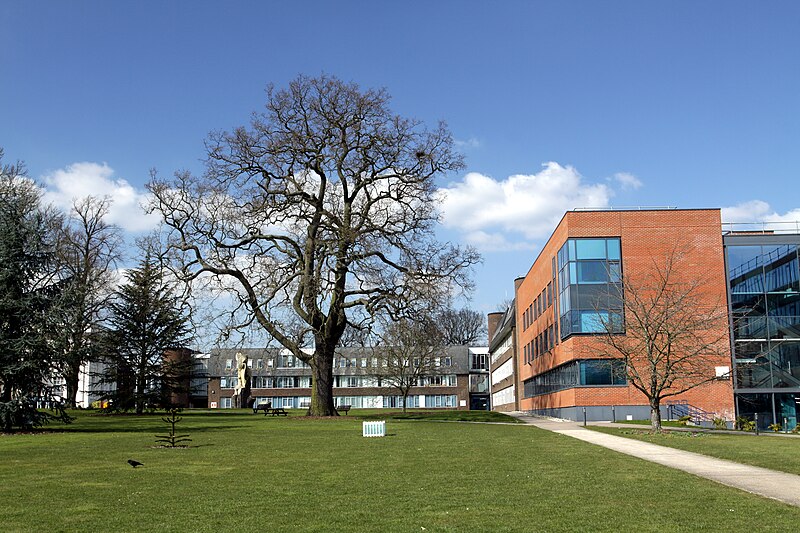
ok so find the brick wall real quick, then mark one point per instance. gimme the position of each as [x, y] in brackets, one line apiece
[646, 236]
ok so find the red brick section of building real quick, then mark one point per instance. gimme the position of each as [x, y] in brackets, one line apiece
[503, 351]
[645, 236]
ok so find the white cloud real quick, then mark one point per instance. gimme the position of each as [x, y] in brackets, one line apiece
[472, 142]
[509, 214]
[79, 180]
[760, 212]
[495, 242]
[627, 181]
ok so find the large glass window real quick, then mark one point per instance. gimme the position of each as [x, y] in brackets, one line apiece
[590, 282]
[603, 372]
[589, 372]
[764, 285]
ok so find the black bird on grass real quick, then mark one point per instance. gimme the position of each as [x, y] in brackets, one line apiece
[134, 463]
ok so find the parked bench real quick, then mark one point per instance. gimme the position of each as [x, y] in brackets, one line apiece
[262, 407]
[345, 408]
[277, 411]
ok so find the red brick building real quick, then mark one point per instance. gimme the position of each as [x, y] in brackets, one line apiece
[557, 312]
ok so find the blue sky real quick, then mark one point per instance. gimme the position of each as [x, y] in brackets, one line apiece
[556, 105]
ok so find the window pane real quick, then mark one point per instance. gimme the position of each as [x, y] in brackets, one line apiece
[781, 269]
[593, 322]
[614, 272]
[591, 297]
[592, 272]
[590, 248]
[613, 249]
[595, 372]
[743, 259]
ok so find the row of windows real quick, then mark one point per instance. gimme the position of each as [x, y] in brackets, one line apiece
[279, 382]
[428, 400]
[502, 349]
[358, 402]
[282, 361]
[540, 345]
[588, 249]
[292, 382]
[588, 372]
[503, 397]
[290, 361]
[376, 362]
[591, 322]
[539, 305]
[503, 371]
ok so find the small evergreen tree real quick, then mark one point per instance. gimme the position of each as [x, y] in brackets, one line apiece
[146, 320]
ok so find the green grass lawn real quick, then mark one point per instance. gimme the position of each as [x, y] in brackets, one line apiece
[664, 423]
[248, 472]
[776, 453]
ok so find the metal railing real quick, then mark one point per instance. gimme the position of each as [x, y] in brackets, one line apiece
[627, 208]
[763, 227]
[678, 408]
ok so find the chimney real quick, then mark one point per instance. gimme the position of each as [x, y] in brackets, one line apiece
[493, 321]
[517, 282]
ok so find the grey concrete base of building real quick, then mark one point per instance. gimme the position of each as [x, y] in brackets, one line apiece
[601, 413]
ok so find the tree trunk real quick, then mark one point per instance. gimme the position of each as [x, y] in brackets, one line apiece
[655, 415]
[322, 385]
[141, 383]
[6, 398]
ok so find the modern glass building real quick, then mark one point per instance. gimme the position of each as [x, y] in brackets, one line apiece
[764, 298]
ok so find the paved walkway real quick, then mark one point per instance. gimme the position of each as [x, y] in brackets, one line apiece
[769, 483]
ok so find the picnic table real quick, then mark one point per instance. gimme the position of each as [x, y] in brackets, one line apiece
[262, 407]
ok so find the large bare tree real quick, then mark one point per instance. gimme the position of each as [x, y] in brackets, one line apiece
[675, 331]
[322, 208]
[88, 250]
[462, 327]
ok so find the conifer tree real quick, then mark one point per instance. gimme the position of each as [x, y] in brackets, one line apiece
[29, 294]
[146, 319]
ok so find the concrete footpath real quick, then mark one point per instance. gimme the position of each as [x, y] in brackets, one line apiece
[769, 483]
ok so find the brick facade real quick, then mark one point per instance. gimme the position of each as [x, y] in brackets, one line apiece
[645, 236]
[275, 364]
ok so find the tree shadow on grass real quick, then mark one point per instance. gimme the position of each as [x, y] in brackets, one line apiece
[138, 429]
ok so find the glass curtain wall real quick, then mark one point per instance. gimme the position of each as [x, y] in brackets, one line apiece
[764, 287]
[590, 275]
